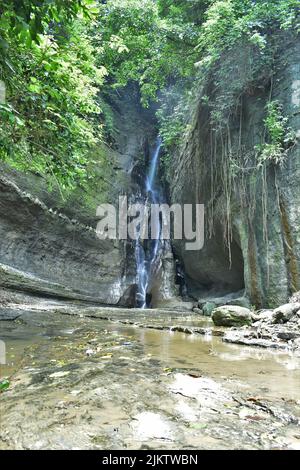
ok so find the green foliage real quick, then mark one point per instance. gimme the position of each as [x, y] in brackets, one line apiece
[58, 59]
[26, 19]
[227, 21]
[158, 43]
[275, 122]
[4, 385]
[280, 136]
[141, 44]
[51, 122]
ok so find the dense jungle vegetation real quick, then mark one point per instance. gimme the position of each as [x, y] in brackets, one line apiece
[58, 60]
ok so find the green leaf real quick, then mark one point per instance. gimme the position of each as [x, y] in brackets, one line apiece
[4, 385]
[34, 88]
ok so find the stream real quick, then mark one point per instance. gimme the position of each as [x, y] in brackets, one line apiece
[91, 378]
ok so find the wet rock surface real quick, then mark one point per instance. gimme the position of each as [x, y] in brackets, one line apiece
[78, 381]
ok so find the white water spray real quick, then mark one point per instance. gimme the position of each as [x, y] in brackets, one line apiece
[146, 261]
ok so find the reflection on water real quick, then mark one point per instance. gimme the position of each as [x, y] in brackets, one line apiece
[269, 372]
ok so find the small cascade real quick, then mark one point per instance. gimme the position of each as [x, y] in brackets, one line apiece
[147, 253]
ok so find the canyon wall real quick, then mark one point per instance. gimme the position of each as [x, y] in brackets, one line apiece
[252, 206]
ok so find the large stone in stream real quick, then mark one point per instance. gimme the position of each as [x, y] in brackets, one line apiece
[210, 306]
[232, 315]
[128, 299]
[284, 313]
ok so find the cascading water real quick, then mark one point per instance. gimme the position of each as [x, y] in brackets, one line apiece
[146, 258]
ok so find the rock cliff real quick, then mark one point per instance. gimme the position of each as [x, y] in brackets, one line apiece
[252, 205]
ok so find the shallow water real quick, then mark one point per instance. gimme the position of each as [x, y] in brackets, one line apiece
[75, 381]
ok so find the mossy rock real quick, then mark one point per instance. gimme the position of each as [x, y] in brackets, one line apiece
[232, 315]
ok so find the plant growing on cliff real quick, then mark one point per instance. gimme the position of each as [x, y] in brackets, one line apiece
[227, 21]
[280, 136]
[172, 118]
[224, 24]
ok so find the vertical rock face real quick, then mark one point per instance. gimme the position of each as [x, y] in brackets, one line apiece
[252, 207]
[48, 253]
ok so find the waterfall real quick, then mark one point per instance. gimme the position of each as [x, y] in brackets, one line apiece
[146, 257]
[150, 178]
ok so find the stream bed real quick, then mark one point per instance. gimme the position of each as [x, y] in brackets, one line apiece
[78, 382]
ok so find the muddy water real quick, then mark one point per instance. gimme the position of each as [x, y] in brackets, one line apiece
[93, 384]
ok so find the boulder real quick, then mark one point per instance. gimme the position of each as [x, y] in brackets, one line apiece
[128, 299]
[263, 316]
[287, 335]
[235, 298]
[232, 315]
[284, 313]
